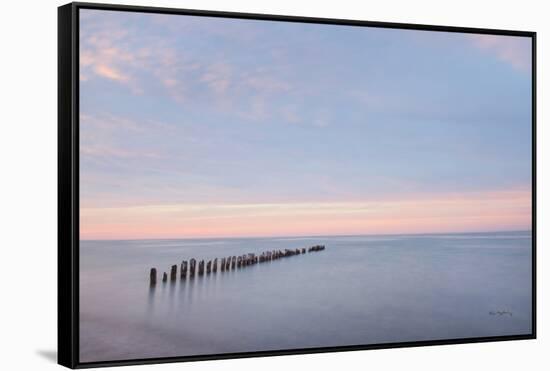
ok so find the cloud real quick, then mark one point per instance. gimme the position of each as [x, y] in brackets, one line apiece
[218, 77]
[110, 72]
[116, 50]
[109, 122]
[107, 151]
[514, 50]
[289, 114]
[104, 55]
[266, 83]
[109, 137]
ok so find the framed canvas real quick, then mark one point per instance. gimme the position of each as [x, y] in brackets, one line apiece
[242, 185]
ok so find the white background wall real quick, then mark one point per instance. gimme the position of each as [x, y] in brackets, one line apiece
[28, 155]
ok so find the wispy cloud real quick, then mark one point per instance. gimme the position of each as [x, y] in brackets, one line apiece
[119, 53]
[513, 50]
[260, 120]
[101, 57]
[101, 137]
[264, 82]
[110, 72]
[218, 77]
[109, 151]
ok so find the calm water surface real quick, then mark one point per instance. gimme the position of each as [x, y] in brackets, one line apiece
[360, 290]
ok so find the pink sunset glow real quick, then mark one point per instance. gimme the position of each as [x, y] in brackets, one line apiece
[217, 128]
[490, 211]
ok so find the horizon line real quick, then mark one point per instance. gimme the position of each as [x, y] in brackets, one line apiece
[308, 236]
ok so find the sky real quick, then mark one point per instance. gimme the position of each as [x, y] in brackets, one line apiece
[196, 127]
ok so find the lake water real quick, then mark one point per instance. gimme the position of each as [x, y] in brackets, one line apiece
[360, 290]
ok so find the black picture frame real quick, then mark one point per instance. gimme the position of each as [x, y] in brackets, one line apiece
[68, 181]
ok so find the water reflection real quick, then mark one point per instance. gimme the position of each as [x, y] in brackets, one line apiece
[151, 300]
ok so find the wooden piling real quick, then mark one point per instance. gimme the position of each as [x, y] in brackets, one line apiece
[183, 269]
[316, 248]
[173, 272]
[228, 263]
[153, 276]
[192, 265]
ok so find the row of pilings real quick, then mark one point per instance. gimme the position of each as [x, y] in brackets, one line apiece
[189, 269]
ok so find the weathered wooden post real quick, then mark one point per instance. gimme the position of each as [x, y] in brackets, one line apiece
[201, 267]
[303, 250]
[153, 276]
[227, 263]
[215, 266]
[173, 272]
[192, 264]
[233, 262]
[222, 265]
[209, 267]
[164, 277]
[183, 269]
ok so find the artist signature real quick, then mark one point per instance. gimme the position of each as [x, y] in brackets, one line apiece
[500, 313]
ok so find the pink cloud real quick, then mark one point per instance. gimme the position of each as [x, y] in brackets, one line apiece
[513, 50]
[218, 77]
[112, 51]
[110, 72]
